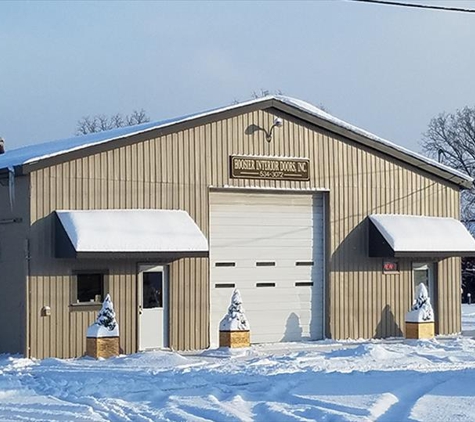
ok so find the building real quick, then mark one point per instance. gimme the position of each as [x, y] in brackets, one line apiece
[325, 229]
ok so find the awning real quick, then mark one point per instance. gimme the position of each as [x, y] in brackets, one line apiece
[393, 235]
[164, 234]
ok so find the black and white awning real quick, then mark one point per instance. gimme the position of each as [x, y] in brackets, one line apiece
[165, 234]
[392, 235]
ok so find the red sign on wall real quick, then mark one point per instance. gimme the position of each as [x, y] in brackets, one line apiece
[390, 266]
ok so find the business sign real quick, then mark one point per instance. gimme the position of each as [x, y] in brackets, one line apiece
[269, 168]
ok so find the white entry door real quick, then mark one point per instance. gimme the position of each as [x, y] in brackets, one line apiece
[153, 307]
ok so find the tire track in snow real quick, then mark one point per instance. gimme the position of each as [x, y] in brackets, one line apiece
[397, 405]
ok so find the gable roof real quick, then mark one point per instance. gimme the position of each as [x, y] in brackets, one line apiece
[22, 157]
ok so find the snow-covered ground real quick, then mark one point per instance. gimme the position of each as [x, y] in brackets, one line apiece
[392, 380]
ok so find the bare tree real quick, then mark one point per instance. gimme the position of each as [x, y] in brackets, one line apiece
[137, 117]
[450, 138]
[101, 122]
[265, 93]
[259, 94]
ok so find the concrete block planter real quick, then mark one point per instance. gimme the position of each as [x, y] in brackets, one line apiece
[420, 330]
[234, 339]
[102, 338]
[234, 330]
[102, 347]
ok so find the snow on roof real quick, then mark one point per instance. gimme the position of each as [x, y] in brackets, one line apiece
[309, 108]
[37, 152]
[412, 233]
[132, 231]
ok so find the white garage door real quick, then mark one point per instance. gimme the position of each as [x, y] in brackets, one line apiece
[270, 247]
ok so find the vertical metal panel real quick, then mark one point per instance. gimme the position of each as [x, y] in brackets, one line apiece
[13, 266]
[175, 172]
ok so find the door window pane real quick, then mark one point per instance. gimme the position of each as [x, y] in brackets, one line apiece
[423, 273]
[421, 276]
[152, 290]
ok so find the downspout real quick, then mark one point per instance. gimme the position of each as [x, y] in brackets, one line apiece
[27, 298]
[27, 252]
[11, 187]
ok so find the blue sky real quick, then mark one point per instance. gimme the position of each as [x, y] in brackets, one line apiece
[386, 69]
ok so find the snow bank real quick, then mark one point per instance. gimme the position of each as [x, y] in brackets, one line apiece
[337, 381]
[329, 380]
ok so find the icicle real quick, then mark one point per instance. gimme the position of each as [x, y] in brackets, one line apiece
[11, 186]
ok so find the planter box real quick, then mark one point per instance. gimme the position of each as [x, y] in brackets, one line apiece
[234, 339]
[420, 330]
[102, 347]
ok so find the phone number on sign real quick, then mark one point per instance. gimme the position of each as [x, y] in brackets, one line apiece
[271, 174]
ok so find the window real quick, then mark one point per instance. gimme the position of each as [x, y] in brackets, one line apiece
[88, 288]
[224, 285]
[153, 289]
[304, 263]
[423, 272]
[265, 264]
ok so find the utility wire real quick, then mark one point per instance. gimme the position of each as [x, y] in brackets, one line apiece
[418, 6]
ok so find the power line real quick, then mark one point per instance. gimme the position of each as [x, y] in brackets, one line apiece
[418, 6]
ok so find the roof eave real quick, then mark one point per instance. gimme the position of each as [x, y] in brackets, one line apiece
[146, 134]
[384, 148]
[264, 103]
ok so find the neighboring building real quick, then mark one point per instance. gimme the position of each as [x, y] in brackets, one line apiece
[308, 216]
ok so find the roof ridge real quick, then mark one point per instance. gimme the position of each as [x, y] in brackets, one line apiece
[37, 152]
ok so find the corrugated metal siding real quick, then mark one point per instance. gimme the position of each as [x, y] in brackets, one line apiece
[13, 266]
[176, 171]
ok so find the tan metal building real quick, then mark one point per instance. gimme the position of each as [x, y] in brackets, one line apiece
[279, 199]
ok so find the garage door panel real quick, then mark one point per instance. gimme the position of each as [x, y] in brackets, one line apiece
[280, 281]
[298, 266]
[246, 229]
[228, 266]
[278, 204]
[255, 233]
[259, 232]
[267, 219]
[277, 321]
[250, 294]
[264, 251]
[263, 223]
[241, 278]
[225, 267]
[270, 338]
[258, 309]
[280, 286]
[285, 323]
[290, 305]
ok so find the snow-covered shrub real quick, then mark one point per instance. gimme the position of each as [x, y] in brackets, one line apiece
[105, 325]
[421, 310]
[235, 319]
